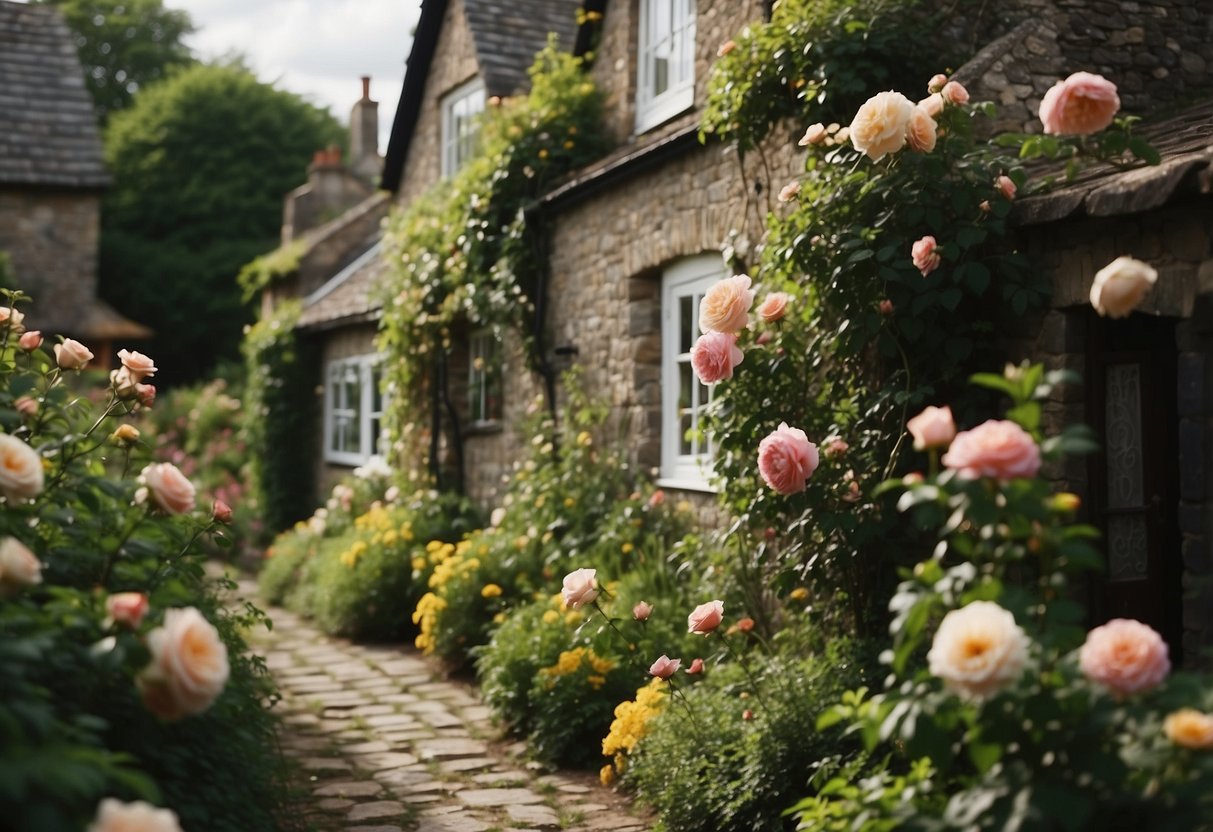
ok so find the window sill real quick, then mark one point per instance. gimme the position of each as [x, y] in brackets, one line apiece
[653, 114]
[484, 428]
[686, 484]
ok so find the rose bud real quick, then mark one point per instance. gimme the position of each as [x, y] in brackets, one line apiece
[696, 667]
[642, 611]
[126, 608]
[221, 512]
[31, 340]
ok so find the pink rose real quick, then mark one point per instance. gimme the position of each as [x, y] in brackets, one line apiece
[127, 608]
[879, 127]
[30, 341]
[1082, 104]
[221, 512]
[695, 668]
[932, 105]
[984, 206]
[933, 428]
[642, 611]
[26, 406]
[835, 446]
[580, 588]
[18, 565]
[714, 355]
[921, 131]
[189, 666]
[1006, 186]
[665, 667]
[786, 458]
[1124, 656]
[955, 93]
[705, 618]
[116, 816]
[726, 306]
[137, 364]
[999, 449]
[763, 338]
[937, 82]
[886, 307]
[725, 48]
[1120, 286]
[656, 498]
[72, 355]
[789, 191]
[21, 475]
[925, 254]
[145, 394]
[774, 306]
[170, 489]
[816, 134]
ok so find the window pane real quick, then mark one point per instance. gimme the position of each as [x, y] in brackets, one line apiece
[684, 385]
[684, 432]
[686, 321]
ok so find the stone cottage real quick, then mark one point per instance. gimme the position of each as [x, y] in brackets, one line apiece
[636, 238]
[52, 175]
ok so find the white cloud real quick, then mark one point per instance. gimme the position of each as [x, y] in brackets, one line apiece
[316, 48]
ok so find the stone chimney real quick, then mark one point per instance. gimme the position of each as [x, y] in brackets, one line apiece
[365, 161]
[331, 189]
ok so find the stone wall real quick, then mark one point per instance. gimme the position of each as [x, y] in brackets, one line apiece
[51, 238]
[1157, 52]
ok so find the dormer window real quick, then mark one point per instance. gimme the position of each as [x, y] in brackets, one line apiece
[461, 109]
[666, 54]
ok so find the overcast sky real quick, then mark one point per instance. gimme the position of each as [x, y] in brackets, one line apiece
[317, 48]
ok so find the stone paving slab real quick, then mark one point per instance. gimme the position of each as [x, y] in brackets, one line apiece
[387, 745]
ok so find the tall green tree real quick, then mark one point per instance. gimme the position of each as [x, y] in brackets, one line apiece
[201, 162]
[125, 45]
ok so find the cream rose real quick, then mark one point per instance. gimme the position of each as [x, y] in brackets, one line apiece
[12, 318]
[18, 565]
[168, 487]
[72, 355]
[921, 131]
[815, 134]
[978, 650]
[580, 588]
[1189, 728]
[20, 469]
[705, 618]
[880, 125]
[116, 816]
[1120, 286]
[789, 191]
[189, 667]
[726, 306]
[137, 364]
[933, 428]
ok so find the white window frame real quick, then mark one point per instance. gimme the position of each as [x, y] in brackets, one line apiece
[678, 45]
[365, 366]
[691, 277]
[461, 109]
[483, 344]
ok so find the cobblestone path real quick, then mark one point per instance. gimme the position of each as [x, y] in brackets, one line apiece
[387, 746]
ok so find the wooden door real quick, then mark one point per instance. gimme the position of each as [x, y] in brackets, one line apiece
[1131, 387]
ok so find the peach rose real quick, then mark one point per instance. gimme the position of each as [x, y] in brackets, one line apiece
[925, 254]
[1189, 728]
[774, 306]
[835, 446]
[189, 666]
[815, 134]
[705, 618]
[168, 487]
[1124, 656]
[1082, 104]
[954, 93]
[72, 355]
[1000, 449]
[125, 435]
[725, 48]
[20, 469]
[937, 82]
[933, 428]
[642, 611]
[127, 608]
[116, 816]
[726, 306]
[932, 105]
[880, 125]
[665, 667]
[138, 364]
[789, 191]
[580, 588]
[920, 131]
[1120, 286]
[786, 458]
[695, 668]
[1006, 186]
[123, 383]
[26, 406]
[978, 650]
[30, 341]
[714, 355]
[18, 565]
[221, 512]
[11, 317]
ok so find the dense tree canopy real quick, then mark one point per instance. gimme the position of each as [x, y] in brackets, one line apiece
[125, 45]
[201, 162]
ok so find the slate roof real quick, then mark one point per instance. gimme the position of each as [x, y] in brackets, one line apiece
[350, 296]
[48, 128]
[508, 33]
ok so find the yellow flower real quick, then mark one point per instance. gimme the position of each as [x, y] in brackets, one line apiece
[419, 564]
[551, 617]
[572, 618]
[799, 594]
[490, 591]
[607, 774]
[627, 548]
[584, 439]
[499, 618]
[569, 502]
[596, 681]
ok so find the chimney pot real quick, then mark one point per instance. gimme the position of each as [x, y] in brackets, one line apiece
[366, 87]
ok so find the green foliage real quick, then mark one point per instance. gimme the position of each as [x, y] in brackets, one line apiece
[264, 270]
[7, 278]
[279, 408]
[466, 252]
[73, 728]
[817, 61]
[125, 45]
[200, 161]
